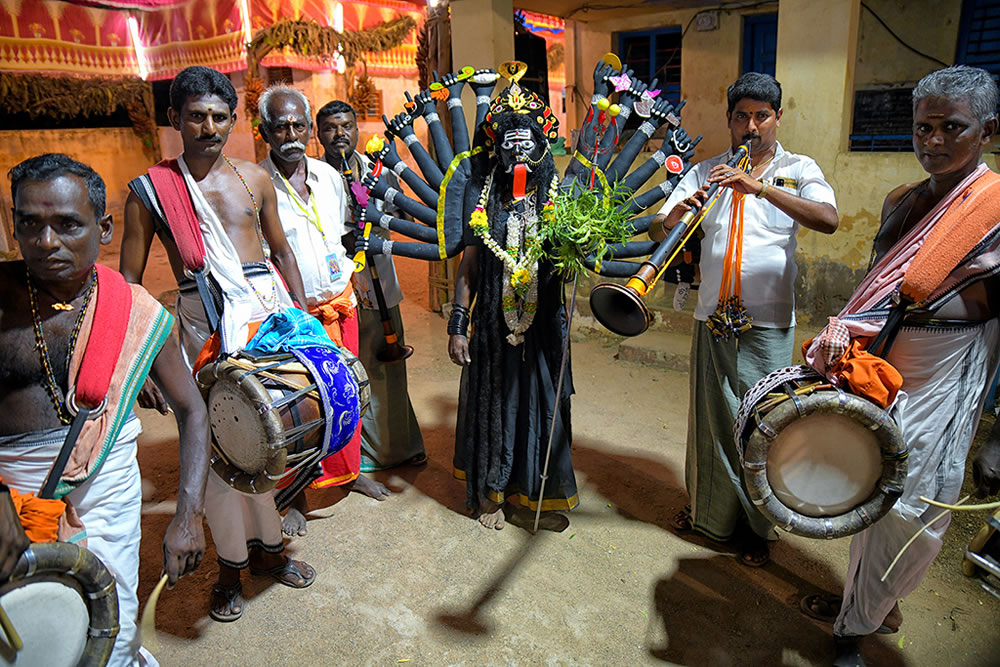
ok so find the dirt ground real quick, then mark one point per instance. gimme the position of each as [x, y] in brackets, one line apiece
[414, 581]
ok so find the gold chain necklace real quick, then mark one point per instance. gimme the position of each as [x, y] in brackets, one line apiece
[58, 400]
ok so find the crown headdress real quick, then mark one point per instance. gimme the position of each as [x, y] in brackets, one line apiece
[514, 99]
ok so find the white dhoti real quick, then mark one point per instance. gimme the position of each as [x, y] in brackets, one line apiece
[109, 504]
[945, 375]
[237, 520]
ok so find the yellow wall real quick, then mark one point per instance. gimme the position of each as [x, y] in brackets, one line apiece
[114, 153]
[819, 70]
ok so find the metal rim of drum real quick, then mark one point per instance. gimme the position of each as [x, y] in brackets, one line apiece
[887, 490]
[97, 582]
[978, 542]
[253, 390]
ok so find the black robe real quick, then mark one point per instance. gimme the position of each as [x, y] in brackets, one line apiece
[507, 396]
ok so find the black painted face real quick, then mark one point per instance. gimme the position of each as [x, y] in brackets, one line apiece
[519, 146]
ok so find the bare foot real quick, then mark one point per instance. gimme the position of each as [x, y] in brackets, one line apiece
[369, 487]
[490, 515]
[294, 522]
[525, 518]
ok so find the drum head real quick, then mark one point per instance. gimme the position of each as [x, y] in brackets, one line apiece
[237, 428]
[50, 616]
[824, 465]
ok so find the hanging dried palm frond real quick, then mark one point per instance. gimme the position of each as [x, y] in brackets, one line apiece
[65, 97]
[309, 38]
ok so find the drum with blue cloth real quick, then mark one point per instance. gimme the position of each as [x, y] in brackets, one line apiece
[274, 415]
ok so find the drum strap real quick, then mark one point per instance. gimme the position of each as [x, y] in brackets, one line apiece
[178, 213]
[89, 396]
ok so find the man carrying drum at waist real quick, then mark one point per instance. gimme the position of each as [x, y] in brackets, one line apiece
[52, 305]
[218, 221]
[933, 287]
[312, 207]
[749, 242]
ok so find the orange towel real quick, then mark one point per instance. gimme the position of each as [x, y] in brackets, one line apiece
[966, 222]
[39, 516]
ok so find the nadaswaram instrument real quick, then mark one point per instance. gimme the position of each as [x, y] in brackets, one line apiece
[818, 461]
[620, 308]
[274, 415]
[58, 609]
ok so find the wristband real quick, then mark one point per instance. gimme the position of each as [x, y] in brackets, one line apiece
[458, 323]
[763, 190]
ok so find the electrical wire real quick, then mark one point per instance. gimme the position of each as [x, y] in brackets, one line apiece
[900, 39]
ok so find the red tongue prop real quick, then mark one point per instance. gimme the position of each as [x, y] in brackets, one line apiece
[520, 180]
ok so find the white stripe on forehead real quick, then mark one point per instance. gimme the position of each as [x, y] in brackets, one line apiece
[519, 134]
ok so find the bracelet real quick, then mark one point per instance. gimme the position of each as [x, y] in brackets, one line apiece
[458, 323]
[763, 190]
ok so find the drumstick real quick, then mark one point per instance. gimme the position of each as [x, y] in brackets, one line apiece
[148, 622]
[962, 508]
[918, 534]
[13, 638]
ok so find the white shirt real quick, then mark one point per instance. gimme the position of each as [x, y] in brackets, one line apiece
[386, 269]
[323, 263]
[768, 269]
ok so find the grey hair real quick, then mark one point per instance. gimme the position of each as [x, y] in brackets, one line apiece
[961, 82]
[264, 102]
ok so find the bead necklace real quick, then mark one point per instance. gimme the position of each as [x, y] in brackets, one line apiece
[268, 304]
[58, 400]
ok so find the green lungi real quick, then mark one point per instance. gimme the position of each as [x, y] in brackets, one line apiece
[721, 373]
[390, 434]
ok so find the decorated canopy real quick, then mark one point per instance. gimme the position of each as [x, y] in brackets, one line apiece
[155, 39]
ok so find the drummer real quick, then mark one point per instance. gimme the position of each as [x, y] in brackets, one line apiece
[312, 206]
[230, 204]
[781, 192]
[48, 311]
[945, 348]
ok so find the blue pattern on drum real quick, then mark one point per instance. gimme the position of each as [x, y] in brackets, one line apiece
[339, 391]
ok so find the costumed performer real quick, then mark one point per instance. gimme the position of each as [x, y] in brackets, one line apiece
[217, 217]
[511, 361]
[747, 275]
[64, 323]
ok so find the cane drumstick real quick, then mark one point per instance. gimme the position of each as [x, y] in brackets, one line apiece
[916, 535]
[148, 622]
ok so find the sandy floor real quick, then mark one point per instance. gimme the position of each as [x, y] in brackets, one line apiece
[413, 580]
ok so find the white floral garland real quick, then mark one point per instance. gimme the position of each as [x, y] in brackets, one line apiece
[520, 275]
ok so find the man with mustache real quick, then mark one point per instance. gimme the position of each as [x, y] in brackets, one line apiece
[390, 434]
[217, 219]
[312, 206]
[755, 242]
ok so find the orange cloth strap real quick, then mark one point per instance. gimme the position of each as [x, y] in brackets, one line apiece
[730, 285]
[332, 311]
[210, 350]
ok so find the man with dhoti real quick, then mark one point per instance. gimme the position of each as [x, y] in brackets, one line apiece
[932, 293]
[747, 278]
[217, 218]
[312, 206]
[78, 344]
[390, 434]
